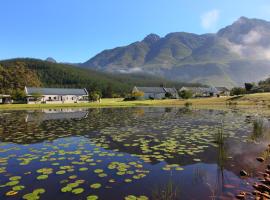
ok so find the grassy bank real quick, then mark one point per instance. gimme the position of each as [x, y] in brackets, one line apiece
[253, 100]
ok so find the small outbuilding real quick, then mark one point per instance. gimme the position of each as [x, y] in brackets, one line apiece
[56, 95]
[5, 99]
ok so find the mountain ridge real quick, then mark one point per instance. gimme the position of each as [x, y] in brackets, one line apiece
[179, 55]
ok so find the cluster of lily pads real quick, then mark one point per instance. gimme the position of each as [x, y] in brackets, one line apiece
[66, 161]
[105, 150]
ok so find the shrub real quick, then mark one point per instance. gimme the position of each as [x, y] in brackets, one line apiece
[185, 94]
[18, 95]
[168, 95]
[237, 91]
[94, 96]
[137, 95]
[37, 96]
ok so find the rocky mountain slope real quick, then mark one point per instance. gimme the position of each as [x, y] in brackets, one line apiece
[236, 54]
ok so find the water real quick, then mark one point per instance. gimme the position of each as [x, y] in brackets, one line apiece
[148, 153]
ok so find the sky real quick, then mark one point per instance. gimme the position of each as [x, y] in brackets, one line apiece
[76, 30]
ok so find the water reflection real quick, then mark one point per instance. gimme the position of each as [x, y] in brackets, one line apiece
[173, 150]
[55, 114]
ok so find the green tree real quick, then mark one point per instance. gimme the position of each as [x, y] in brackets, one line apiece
[94, 96]
[237, 91]
[249, 86]
[37, 96]
[168, 95]
[18, 95]
[137, 95]
[185, 94]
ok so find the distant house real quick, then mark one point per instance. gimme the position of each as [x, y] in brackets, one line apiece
[55, 95]
[223, 91]
[156, 92]
[201, 91]
[5, 99]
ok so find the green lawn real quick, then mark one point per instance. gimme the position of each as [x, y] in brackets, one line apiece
[261, 99]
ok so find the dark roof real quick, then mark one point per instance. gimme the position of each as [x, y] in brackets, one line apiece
[55, 91]
[151, 89]
[200, 89]
[171, 90]
[222, 89]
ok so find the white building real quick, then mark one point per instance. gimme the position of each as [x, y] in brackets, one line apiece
[5, 99]
[55, 95]
[156, 92]
[206, 91]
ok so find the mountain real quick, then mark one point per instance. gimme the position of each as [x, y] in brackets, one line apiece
[236, 54]
[15, 74]
[50, 59]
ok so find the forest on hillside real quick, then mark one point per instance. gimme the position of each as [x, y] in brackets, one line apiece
[15, 74]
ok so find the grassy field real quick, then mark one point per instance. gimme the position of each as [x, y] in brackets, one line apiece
[251, 100]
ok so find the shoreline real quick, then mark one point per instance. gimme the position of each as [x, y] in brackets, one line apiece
[259, 103]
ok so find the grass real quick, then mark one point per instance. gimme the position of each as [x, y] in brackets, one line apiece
[246, 101]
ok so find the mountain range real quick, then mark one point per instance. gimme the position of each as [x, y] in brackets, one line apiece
[234, 55]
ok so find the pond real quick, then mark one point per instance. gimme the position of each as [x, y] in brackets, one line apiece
[128, 153]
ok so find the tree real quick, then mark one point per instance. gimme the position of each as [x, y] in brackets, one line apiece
[237, 91]
[108, 92]
[248, 86]
[37, 96]
[168, 95]
[137, 95]
[94, 96]
[18, 95]
[186, 94]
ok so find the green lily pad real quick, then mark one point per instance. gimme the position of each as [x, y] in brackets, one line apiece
[15, 178]
[92, 197]
[18, 187]
[42, 177]
[66, 189]
[95, 185]
[12, 183]
[83, 169]
[130, 197]
[78, 191]
[39, 191]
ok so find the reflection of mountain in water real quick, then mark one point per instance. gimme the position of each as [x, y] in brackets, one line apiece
[56, 114]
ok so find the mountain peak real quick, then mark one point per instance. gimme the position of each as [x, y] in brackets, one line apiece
[50, 59]
[242, 20]
[151, 38]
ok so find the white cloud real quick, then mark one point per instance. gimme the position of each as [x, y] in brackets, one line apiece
[251, 45]
[131, 70]
[209, 19]
[252, 37]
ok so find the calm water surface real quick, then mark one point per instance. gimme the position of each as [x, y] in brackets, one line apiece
[123, 153]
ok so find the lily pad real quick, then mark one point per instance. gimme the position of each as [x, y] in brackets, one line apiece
[95, 185]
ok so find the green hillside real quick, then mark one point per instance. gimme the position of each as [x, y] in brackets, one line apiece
[17, 73]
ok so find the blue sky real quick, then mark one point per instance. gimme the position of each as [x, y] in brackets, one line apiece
[76, 30]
